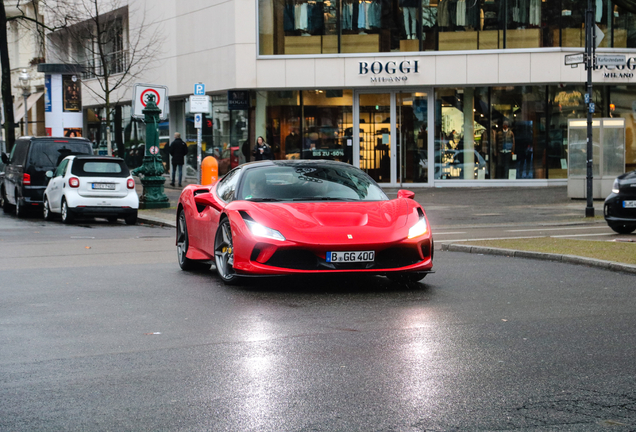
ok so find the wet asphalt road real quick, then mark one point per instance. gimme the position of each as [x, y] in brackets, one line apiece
[101, 330]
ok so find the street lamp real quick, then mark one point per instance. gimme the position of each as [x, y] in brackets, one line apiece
[25, 81]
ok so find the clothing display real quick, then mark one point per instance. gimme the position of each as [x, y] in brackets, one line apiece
[443, 14]
[347, 16]
[369, 14]
[304, 16]
[429, 15]
[410, 22]
[460, 13]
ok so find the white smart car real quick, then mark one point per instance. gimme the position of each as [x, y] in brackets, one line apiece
[91, 186]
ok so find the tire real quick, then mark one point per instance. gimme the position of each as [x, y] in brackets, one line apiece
[111, 219]
[623, 228]
[20, 210]
[131, 219]
[67, 214]
[6, 206]
[224, 253]
[406, 278]
[182, 246]
[46, 210]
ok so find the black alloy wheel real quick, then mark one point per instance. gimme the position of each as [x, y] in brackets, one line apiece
[182, 245]
[46, 210]
[622, 228]
[67, 216]
[224, 253]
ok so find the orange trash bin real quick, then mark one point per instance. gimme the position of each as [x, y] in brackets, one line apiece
[209, 170]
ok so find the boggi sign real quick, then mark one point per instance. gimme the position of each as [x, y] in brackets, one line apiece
[396, 71]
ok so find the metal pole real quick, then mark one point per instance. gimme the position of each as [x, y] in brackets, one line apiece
[589, 65]
[26, 112]
[199, 137]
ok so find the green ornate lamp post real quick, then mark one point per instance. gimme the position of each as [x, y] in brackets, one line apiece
[151, 171]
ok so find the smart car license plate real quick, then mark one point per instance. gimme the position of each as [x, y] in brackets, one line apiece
[104, 186]
[629, 204]
[357, 256]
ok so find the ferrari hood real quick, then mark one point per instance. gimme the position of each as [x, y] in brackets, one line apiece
[327, 219]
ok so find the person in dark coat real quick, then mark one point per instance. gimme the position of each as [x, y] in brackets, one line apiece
[262, 150]
[178, 151]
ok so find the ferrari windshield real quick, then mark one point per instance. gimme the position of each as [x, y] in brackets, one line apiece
[309, 182]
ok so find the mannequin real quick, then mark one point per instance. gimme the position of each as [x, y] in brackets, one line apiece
[505, 150]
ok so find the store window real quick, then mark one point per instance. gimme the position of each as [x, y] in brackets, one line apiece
[368, 26]
[566, 102]
[490, 133]
[622, 103]
[312, 124]
[224, 136]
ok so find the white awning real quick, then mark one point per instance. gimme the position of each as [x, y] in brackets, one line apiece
[18, 112]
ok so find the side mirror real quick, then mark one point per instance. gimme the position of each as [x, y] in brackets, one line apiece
[49, 174]
[207, 199]
[403, 193]
[5, 158]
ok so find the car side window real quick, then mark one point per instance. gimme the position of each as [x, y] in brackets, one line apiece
[61, 168]
[226, 187]
[19, 152]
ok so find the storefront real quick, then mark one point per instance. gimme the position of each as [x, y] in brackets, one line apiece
[492, 135]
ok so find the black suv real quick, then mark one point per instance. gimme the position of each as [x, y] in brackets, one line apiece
[25, 170]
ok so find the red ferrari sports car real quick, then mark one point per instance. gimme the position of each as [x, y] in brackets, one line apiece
[302, 216]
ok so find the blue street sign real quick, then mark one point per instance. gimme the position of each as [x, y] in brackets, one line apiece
[592, 107]
[199, 89]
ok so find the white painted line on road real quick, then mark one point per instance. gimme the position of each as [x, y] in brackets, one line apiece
[492, 238]
[449, 233]
[583, 235]
[559, 229]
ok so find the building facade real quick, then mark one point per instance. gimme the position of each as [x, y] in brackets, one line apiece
[26, 50]
[416, 92]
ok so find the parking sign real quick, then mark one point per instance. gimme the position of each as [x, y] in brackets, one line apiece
[198, 120]
[199, 89]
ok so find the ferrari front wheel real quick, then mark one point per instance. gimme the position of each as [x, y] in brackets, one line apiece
[224, 253]
[182, 246]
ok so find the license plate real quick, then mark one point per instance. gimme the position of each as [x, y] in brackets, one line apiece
[357, 256]
[629, 204]
[104, 186]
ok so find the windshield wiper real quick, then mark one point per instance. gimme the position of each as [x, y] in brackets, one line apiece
[324, 199]
[262, 199]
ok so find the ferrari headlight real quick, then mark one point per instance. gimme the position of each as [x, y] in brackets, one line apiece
[259, 230]
[418, 229]
[615, 186]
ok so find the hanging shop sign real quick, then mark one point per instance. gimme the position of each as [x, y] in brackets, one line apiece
[238, 100]
[389, 71]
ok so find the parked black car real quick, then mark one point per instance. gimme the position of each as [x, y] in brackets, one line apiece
[620, 205]
[25, 169]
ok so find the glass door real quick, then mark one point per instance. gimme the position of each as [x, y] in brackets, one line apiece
[374, 122]
[412, 137]
[393, 135]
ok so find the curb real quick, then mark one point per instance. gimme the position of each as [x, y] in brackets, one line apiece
[569, 259]
[152, 220]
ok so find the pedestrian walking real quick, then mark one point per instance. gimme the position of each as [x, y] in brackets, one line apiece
[178, 151]
[262, 150]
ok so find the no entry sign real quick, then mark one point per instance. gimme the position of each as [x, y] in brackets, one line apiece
[141, 92]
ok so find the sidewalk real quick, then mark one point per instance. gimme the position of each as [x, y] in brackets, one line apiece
[455, 207]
